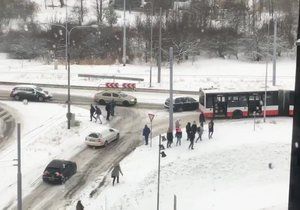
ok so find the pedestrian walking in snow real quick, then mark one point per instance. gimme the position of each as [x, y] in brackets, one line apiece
[200, 132]
[98, 114]
[79, 205]
[116, 173]
[192, 139]
[177, 124]
[92, 112]
[201, 119]
[210, 128]
[169, 138]
[178, 135]
[112, 107]
[188, 130]
[146, 132]
[107, 108]
[194, 128]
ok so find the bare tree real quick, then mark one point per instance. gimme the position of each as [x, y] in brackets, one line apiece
[99, 11]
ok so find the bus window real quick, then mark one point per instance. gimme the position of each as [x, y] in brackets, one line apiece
[209, 101]
[243, 101]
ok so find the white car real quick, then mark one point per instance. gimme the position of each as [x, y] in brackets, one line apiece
[102, 138]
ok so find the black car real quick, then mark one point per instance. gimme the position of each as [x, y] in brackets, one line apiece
[182, 104]
[29, 92]
[58, 171]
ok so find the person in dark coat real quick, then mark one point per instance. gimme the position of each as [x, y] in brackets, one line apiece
[192, 139]
[188, 130]
[194, 127]
[116, 173]
[169, 138]
[107, 108]
[98, 114]
[92, 112]
[79, 205]
[210, 129]
[201, 118]
[146, 132]
[112, 107]
[178, 135]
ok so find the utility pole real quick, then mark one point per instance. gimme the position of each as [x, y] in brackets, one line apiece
[171, 89]
[19, 168]
[274, 50]
[124, 35]
[151, 37]
[158, 173]
[159, 49]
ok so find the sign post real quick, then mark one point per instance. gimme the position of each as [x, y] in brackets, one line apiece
[151, 116]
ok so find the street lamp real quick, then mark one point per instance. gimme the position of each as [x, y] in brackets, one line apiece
[68, 34]
[266, 81]
[162, 154]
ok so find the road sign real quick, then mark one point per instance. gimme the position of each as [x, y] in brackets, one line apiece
[151, 116]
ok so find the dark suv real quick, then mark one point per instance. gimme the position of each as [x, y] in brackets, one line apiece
[182, 104]
[29, 92]
[58, 171]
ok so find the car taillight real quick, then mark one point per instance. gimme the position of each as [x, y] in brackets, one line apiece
[46, 173]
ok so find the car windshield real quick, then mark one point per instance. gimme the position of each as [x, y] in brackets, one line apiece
[53, 170]
[94, 135]
[123, 95]
[39, 89]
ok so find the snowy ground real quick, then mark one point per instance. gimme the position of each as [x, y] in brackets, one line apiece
[229, 172]
[224, 173]
[204, 73]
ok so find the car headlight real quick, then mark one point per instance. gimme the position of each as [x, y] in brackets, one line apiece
[133, 99]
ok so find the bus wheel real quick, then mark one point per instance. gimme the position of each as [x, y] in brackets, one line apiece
[237, 114]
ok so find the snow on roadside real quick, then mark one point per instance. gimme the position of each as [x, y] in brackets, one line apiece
[229, 172]
[44, 137]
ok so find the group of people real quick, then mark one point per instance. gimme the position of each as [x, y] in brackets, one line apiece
[191, 131]
[96, 113]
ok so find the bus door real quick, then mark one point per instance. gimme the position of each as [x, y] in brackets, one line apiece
[255, 104]
[220, 106]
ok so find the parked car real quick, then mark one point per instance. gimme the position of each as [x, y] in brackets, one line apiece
[119, 97]
[30, 92]
[58, 171]
[182, 104]
[102, 138]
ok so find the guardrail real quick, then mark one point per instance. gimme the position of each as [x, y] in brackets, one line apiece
[110, 77]
[81, 87]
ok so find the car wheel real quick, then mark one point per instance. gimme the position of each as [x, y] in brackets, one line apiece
[237, 114]
[40, 98]
[106, 143]
[102, 102]
[17, 97]
[125, 103]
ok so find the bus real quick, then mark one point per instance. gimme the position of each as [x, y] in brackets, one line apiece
[245, 103]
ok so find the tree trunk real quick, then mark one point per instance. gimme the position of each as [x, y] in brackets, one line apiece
[81, 12]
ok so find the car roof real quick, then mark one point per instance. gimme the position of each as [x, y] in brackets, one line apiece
[57, 163]
[22, 86]
[111, 91]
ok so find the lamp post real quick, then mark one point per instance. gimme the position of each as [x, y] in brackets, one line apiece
[68, 34]
[151, 43]
[124, 35]
[163, 154]
[266, 83]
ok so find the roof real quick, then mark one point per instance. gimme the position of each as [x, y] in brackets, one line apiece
[238, 90]
[57, 163]
[29, 86]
